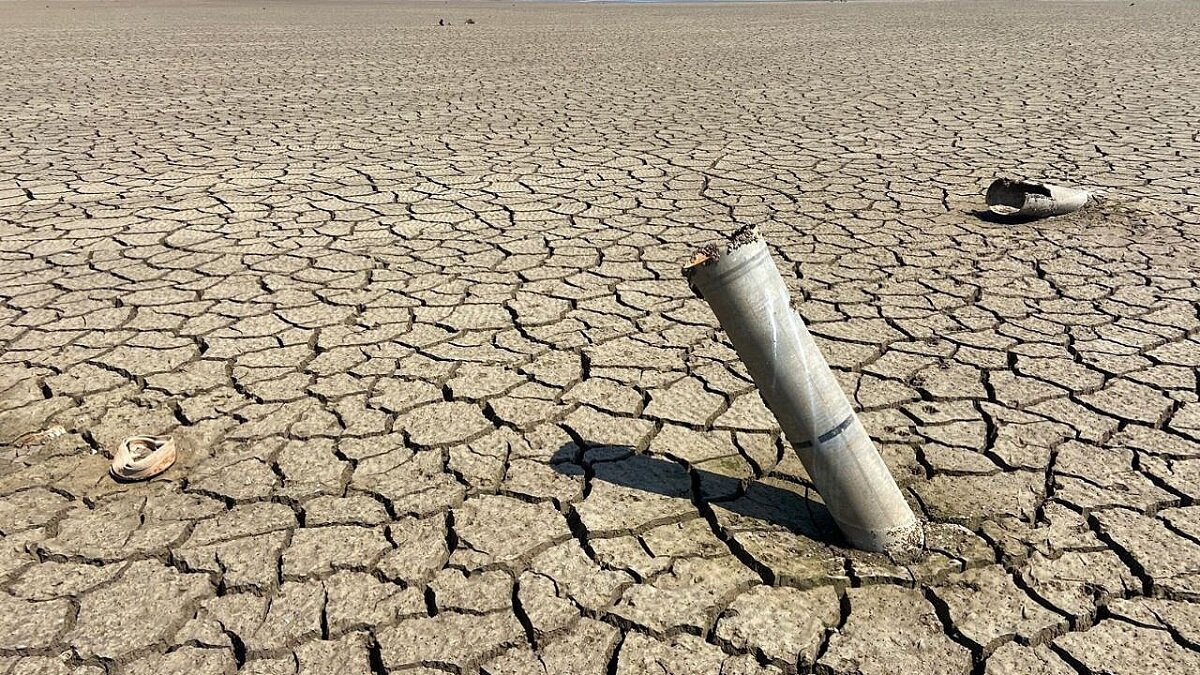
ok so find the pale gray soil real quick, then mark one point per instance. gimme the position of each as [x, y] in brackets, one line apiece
[409, 298]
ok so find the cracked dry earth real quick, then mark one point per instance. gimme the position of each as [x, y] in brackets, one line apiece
[409, 298]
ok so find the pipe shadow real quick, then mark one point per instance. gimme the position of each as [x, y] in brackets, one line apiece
[787, 507]
[990, 216]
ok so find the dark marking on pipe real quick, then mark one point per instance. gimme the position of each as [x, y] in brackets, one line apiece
[831, 434]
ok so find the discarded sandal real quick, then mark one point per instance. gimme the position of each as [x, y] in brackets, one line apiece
[1027, 200]
[142, 458]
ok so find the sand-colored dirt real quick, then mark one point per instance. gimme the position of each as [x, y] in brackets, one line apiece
[409, 299]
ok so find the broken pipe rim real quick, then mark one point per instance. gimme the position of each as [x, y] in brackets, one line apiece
[1028, 199]
[743, 287]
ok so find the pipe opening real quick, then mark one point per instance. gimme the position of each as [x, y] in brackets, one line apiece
[1006, 197]
[711, 253]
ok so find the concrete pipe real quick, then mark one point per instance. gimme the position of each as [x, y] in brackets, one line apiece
[1026, 199]
[743, 287]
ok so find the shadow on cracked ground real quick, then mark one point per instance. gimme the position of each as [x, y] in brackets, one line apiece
[624, 467]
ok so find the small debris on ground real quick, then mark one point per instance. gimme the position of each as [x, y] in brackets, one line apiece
[34, 438]
[142, 458]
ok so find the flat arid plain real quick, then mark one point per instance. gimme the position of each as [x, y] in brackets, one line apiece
[408, 299]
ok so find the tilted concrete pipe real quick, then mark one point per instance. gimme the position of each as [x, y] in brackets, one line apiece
[743, 287]
[1027, 199]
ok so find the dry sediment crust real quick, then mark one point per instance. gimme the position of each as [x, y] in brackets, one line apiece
[409, 298]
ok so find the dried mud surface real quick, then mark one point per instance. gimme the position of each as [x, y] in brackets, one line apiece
[410, 299]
